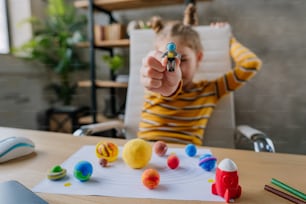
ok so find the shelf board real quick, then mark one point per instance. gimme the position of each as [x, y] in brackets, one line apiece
[107, 43]
[103, 84]
[112, 5]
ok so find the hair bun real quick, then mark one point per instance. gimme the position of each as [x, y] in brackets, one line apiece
[190, 15]
[156, 23]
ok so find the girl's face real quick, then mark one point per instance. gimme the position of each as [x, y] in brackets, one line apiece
[190, 60]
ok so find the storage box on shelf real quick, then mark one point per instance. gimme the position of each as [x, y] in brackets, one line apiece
[114, 31]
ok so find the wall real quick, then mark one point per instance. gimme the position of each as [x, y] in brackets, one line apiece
[274, 101]
[20, 93]
[20, 81]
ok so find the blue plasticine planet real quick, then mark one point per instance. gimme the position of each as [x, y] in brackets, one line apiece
[207, 162]
[83, 171]
[191, 150]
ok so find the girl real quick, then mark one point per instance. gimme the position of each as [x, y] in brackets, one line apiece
[177, 109]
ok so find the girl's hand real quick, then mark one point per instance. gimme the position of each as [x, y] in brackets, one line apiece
[155, 77]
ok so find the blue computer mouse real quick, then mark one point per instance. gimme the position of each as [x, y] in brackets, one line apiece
[14, 147]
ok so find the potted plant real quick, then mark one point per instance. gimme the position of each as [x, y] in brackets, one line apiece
[54, 45]
[114, 63]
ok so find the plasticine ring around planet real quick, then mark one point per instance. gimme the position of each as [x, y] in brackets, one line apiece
[57, 173]
[207, 162]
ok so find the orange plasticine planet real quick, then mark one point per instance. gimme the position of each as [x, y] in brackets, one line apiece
[150, 178]
[107, 150]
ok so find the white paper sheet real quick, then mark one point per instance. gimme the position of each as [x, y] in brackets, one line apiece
[188, 182]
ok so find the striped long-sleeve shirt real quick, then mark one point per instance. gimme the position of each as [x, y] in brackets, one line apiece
[183, 117]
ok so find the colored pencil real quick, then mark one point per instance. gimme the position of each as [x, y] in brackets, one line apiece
[289, 189]
[283, 195]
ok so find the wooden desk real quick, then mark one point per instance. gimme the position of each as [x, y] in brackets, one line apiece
[255, 169]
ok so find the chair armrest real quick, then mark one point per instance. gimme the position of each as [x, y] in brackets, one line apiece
[261, 142]
[99, 127]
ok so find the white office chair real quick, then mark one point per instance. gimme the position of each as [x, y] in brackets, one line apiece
[221, 127]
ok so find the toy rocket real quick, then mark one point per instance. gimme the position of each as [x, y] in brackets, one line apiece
[226, 184]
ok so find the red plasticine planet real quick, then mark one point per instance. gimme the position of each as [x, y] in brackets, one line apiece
[173, 161]
[150, 178]
[160, 148]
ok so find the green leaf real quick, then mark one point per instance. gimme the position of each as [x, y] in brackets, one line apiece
[115, 62]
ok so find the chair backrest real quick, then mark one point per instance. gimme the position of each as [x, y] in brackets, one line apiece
[220, 129]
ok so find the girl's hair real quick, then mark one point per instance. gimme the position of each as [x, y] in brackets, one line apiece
[183, 30]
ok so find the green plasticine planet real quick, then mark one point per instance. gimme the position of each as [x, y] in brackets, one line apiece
[83, 171]
[56, 173]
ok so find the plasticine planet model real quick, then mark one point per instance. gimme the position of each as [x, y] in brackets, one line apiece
[191, 150]
[103, 162]
[150, 178]
[207, 162]
[173, 161]
[56, 173]
[107, 150]
[83, 171]
[137, 153]
[160, 148]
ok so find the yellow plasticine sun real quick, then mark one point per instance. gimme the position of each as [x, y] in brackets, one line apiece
[137, 153]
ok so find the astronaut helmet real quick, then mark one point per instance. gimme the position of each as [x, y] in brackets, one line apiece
[171, 46]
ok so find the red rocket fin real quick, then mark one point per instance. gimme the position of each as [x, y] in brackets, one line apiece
[227, 196]
[213, 189]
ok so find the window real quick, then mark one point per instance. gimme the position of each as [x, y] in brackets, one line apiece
[4, 36]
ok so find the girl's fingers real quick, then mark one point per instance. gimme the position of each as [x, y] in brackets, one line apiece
[155, 64]
[164, 61]
[150, 83]
[151, 73]
[153, 60]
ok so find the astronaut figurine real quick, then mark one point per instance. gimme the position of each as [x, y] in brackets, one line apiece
[171, 55]
[226, 184]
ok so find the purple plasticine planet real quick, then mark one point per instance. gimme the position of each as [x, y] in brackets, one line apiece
[83, 171]
[207, 162]
[191, 150]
